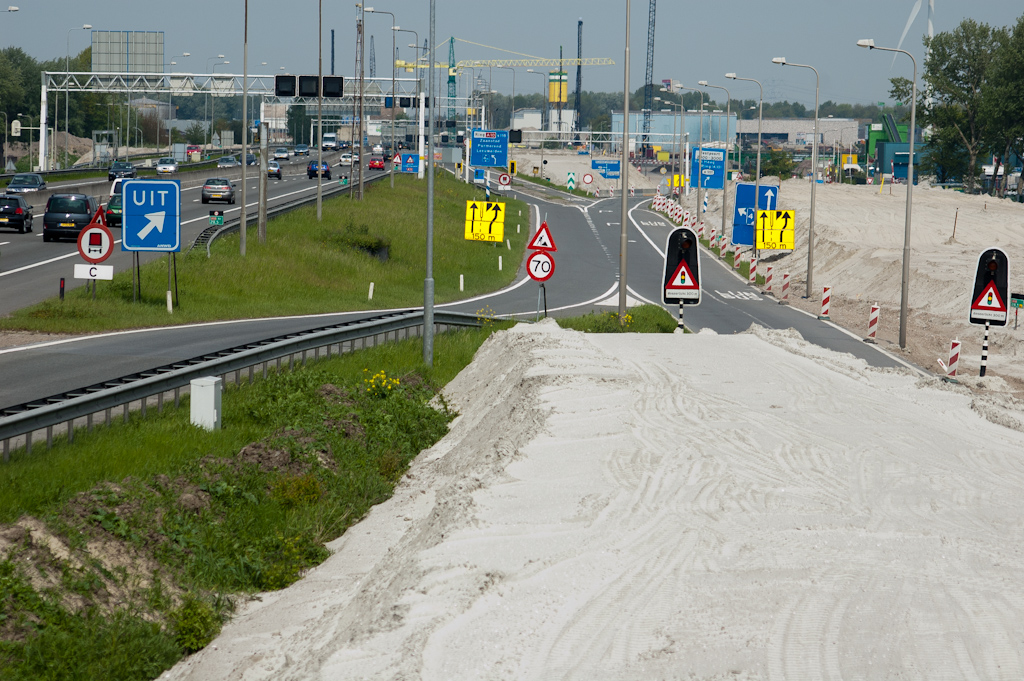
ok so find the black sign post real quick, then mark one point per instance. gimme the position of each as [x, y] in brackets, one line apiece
[990, 298]
[681, 280]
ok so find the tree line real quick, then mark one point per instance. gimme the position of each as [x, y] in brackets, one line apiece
[972, 101]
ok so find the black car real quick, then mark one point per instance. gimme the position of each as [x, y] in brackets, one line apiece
[15, 213]
[121, 169]
[24, 183]
[250, 159]
[66, 215]
[113, 211]
[325, 170]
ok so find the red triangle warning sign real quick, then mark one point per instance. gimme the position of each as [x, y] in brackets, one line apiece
[682, 279]
[542, 240]
[99, 218]
[989, 300]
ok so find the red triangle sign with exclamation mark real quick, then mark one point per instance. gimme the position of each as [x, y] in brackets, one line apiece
[542, 240]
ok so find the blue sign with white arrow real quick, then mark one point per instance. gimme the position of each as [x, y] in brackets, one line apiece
[151, 220]
[709, 166]
[489, 148]
[609, 170]
[746, 215]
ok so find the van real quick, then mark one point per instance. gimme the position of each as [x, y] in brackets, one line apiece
[378, 149]
[330, 141]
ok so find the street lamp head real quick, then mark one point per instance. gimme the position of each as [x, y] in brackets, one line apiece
[12, 8]
[731, 76]
[86, 27]
[220, 56]
[866, 42]
[186, 54]
[704, 83]
[396, 28]
[779, 60]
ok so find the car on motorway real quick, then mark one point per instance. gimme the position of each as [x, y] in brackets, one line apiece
[15, 213]
[355, 157]
[281, 154]
[274, 169]
[121, 169]
[345, 160]
[166, 166]
[227, 162]
[24, 183]
[250, 159]
[324, 170]
[376, 164]
[113, 210]
[66, 215]
[218, 189]
[302, 150]
[378, 149]
[193, 149]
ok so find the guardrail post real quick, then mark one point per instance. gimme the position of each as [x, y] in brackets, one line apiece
[71, 431]
[88, 422]
[160, 403]
[124, 408]
[106, 417]
[28, 442]
[250, 374]
[144, 400]
[49, 437]
[176, 394]
[7, 450]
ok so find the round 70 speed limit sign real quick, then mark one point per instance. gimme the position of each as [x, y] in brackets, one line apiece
[540, 266]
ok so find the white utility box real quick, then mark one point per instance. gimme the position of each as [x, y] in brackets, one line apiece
[205, 402]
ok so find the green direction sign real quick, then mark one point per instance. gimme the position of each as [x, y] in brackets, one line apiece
[1017, 301]
[216, 218]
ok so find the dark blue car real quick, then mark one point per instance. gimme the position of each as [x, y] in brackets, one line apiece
[324, 170]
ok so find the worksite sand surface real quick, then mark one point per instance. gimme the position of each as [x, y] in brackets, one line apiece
[859, 233]
[672, 506]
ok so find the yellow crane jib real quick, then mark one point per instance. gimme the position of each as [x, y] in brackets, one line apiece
[409, 66]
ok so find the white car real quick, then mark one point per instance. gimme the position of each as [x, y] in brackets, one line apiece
[166, 166]
[346, 159]
[280, 154]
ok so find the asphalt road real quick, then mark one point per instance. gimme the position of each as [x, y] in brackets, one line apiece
[30, 270]
[586, 233]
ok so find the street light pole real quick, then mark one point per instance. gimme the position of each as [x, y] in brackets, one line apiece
[244, 221]
[760, 110]
[393, 103]
[725, 180]
[905, 292]
[428, 282]
[624, 187]
[213, 101]
[814, 171]
[67, 90]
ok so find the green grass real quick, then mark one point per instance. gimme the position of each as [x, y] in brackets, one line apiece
[548, 183]
[306, 267]
[258, 528]
[642, 319]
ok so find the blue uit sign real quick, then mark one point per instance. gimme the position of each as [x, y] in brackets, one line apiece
[709, 166]
[151, 220]
[746, 215]
[410, 163]
[489, 148]
[609, 170]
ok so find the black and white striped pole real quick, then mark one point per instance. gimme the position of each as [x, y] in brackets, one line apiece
[984, 352]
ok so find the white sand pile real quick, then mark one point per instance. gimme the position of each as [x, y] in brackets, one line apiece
[669, 506]
[859, 252]
[561, 163]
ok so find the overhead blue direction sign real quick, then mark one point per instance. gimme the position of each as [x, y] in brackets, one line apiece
[151, 219]
[489, 148]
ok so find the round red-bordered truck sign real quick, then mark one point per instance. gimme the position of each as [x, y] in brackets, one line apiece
[95, 243]
[540, 266]
[504, 179]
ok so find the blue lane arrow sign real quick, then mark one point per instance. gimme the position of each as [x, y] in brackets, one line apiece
[152, 216]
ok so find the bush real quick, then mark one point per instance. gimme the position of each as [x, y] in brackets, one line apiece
[194, 624]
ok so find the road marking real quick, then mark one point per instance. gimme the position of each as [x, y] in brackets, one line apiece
[4, 243]
[739, 295]
[45, 262]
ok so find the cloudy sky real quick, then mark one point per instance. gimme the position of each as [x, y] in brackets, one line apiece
[694, 40]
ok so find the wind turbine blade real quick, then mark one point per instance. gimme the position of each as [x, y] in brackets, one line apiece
[906, 29]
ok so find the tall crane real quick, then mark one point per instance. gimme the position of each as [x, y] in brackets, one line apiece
[579, 79]
[649, 79]
[452, 89]
[373, 60]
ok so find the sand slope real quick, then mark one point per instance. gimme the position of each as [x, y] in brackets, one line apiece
[672, 507]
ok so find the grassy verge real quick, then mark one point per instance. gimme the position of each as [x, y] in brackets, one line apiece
[309, 267]
[552, 185]
[642, 319]
[135, 543]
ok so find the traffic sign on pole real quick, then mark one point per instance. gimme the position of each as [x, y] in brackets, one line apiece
[570, 182]
[151, 219]
[95, 243]
[489, 149]
[542, 240]
[681, 282]
[991, 289]
[504, 180]
[775, 230]
[540, 266]
[485, 221]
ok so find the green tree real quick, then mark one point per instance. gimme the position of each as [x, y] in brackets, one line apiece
[195, 133]
[1003, 101]
[777, 163]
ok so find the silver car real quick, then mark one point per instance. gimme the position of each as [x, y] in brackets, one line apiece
[166, 166]
[281, 154]
[218, 189]
[227, 162]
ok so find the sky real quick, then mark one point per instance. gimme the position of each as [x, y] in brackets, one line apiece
[693, 40]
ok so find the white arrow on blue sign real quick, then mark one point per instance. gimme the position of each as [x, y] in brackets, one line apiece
[151, 220]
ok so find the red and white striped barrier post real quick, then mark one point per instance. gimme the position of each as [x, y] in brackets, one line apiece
[724, 250]
[753, 270]
[826, 302]
[954, 359]
[784, 298]
[872, 324]
[768, 279]
[632, 192]
[686, 219]
[736, 257]
[713, 241]
[700, 230]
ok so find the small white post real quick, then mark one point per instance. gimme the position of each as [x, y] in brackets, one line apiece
[499, 263]
[462, 282]
[204, 406]
[508, 242]
[170, 307]
[371, 290]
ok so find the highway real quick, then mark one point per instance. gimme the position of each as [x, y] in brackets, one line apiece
[30, 270]
[586, 233]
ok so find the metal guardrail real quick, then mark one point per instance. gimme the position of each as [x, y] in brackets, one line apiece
[83, 403]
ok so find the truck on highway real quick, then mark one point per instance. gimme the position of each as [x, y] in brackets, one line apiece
[330, 141]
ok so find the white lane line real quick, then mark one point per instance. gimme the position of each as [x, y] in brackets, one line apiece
[4, 243]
